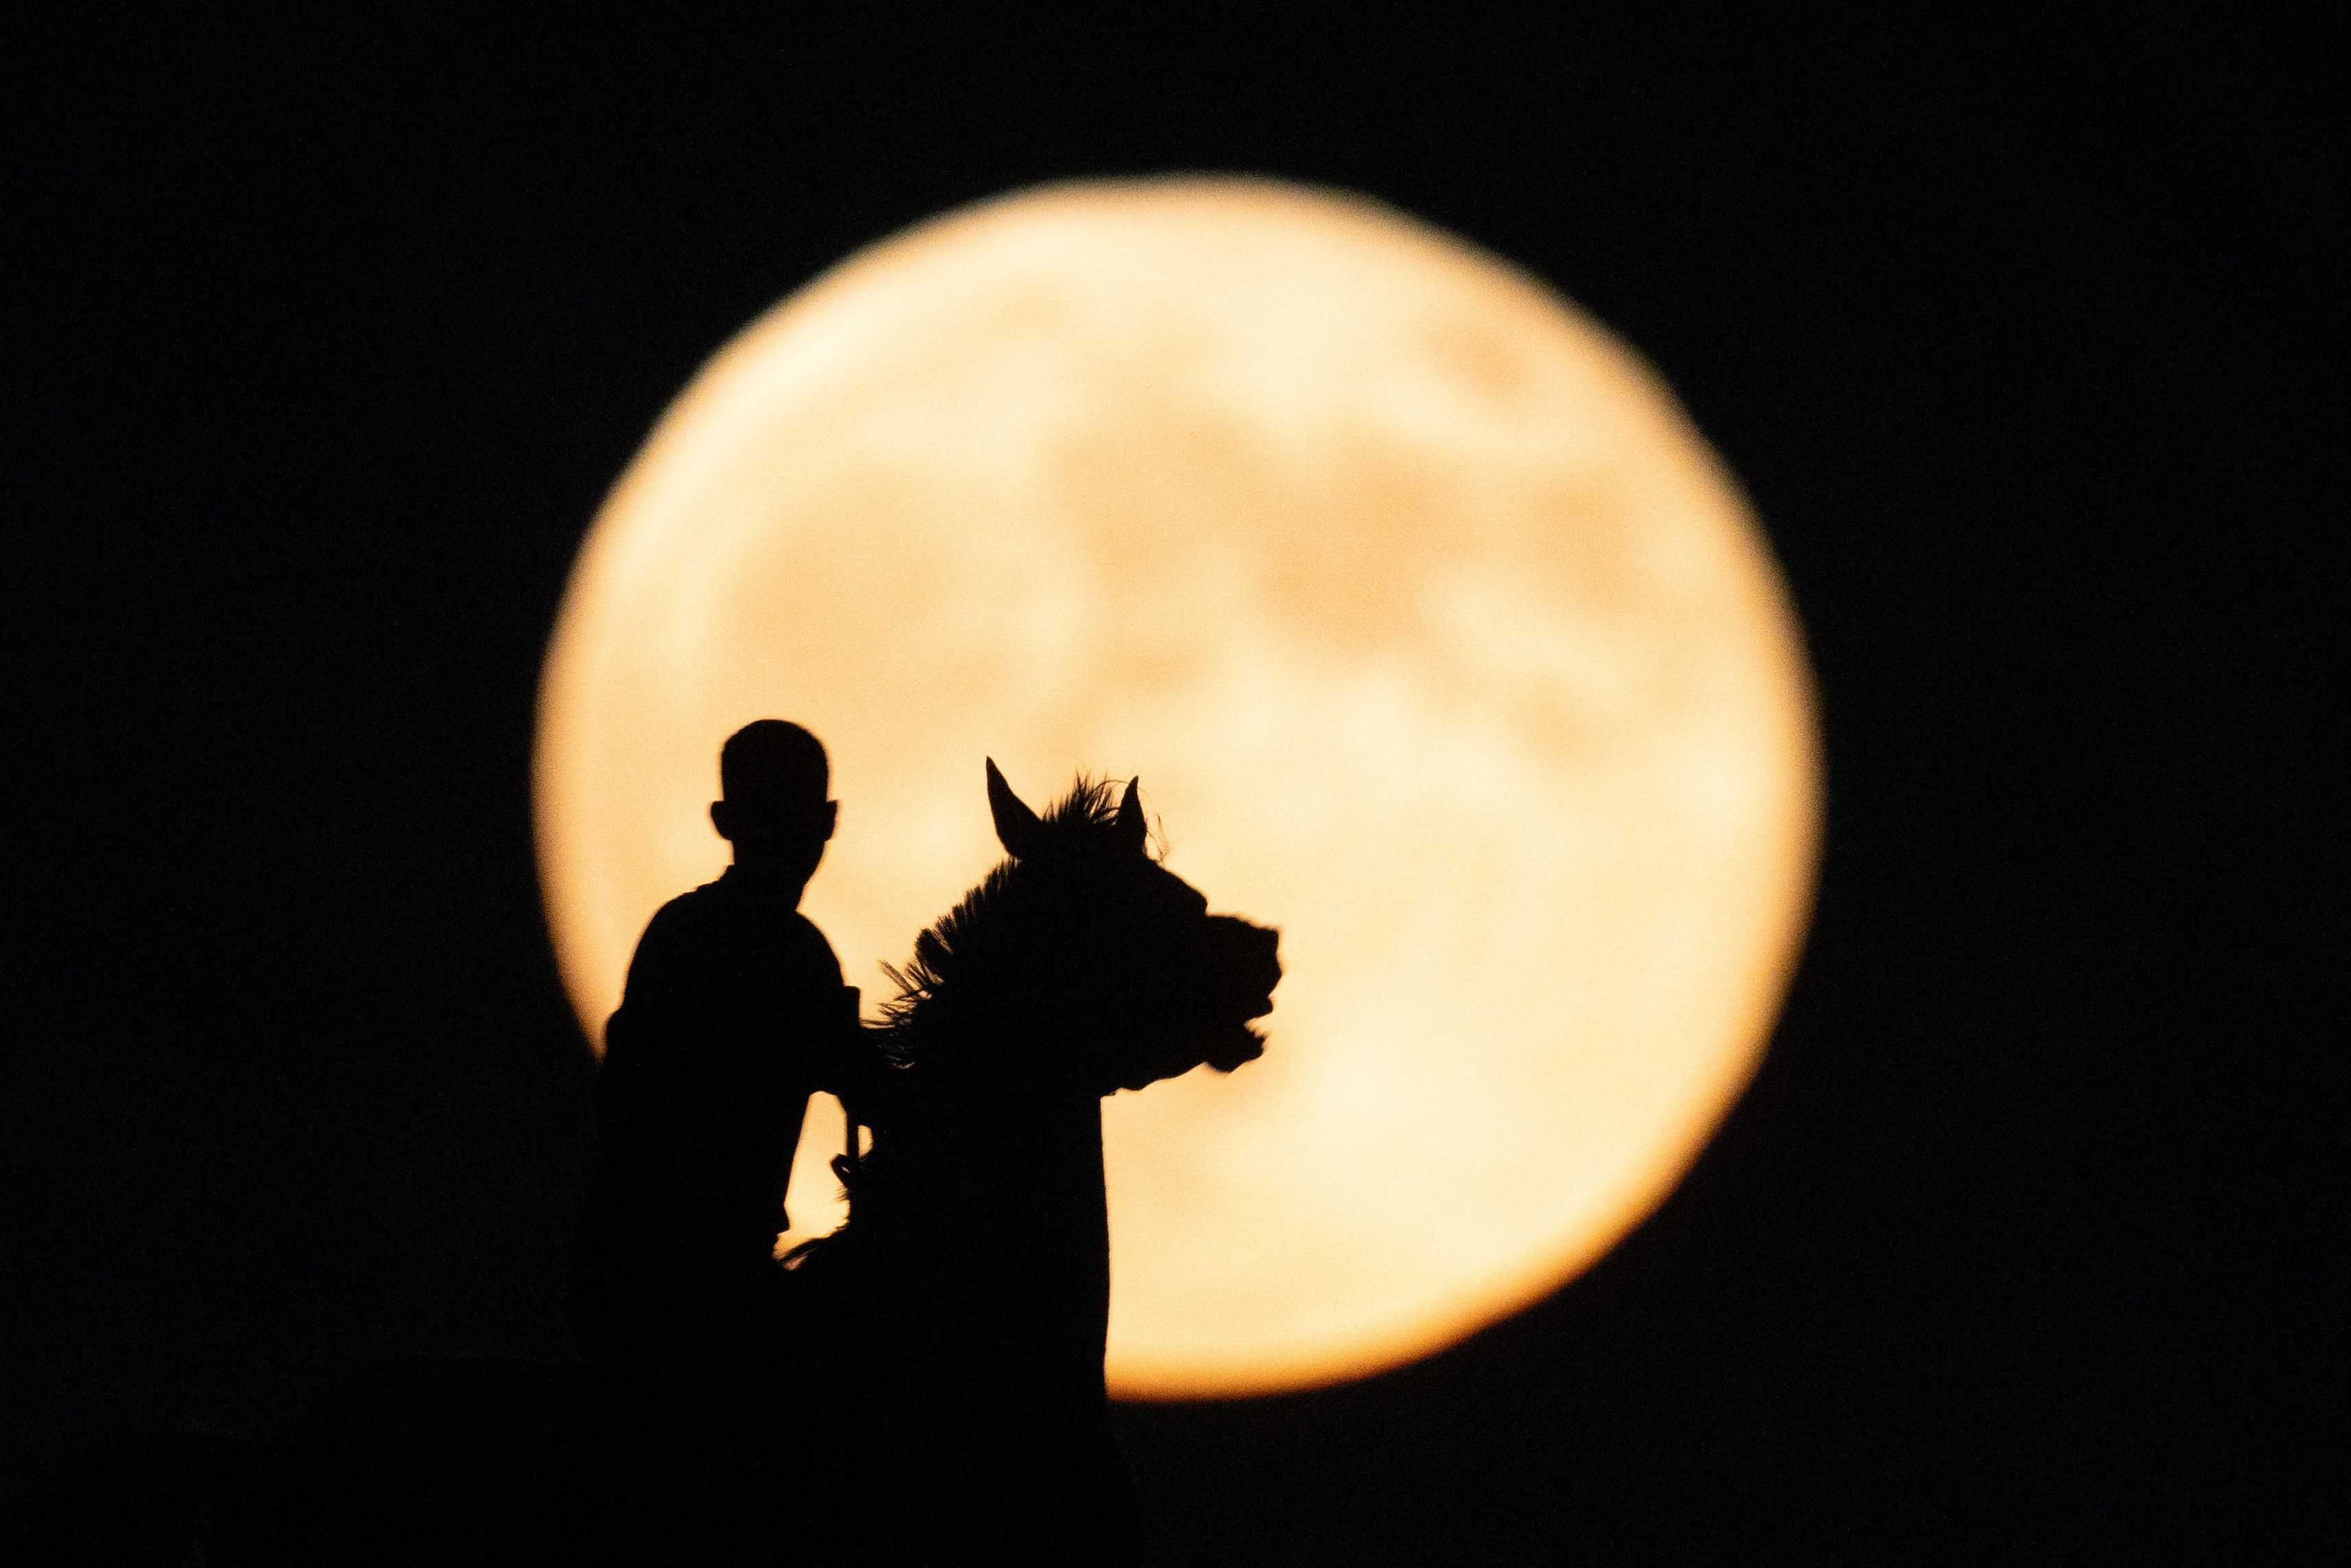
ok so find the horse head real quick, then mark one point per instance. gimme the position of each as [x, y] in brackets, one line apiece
[1106, 965]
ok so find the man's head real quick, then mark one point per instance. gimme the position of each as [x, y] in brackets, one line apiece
[773, 779]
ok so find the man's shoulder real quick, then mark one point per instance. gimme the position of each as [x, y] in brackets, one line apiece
[711, 912]
[715, 918]
[682, 921]
[814, 948]
[706, 902]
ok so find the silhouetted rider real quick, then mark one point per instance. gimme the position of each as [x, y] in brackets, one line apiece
[733, 1015]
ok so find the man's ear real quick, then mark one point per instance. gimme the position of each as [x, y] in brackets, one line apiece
[831, 818]
[719, 818]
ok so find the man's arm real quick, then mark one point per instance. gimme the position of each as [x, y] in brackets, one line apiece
[850, 1068]
[642, 1108]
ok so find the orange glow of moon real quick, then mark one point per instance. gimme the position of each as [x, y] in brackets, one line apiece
[1436, 635]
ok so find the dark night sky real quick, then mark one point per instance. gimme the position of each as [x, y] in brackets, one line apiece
[326, 336]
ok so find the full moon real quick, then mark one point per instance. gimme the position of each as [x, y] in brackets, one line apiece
[1436, 635]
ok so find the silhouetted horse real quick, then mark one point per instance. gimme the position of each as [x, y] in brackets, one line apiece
[937, 1394]
[970, 1288]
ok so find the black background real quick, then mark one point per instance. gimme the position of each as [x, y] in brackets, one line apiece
[327, 332]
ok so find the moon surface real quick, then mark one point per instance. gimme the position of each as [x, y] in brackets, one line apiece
[1436, 635]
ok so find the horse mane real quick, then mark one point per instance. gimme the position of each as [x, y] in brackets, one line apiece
[1081, 820]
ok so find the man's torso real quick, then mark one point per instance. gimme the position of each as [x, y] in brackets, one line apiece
[729, 1017]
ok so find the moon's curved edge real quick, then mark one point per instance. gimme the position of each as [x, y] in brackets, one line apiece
[1180, 1380]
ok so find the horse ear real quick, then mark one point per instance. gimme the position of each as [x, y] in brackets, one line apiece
[1016, 828]
[1130, 827]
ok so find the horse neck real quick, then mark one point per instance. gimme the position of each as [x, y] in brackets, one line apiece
[1000, 1103]
[1013, 1152]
